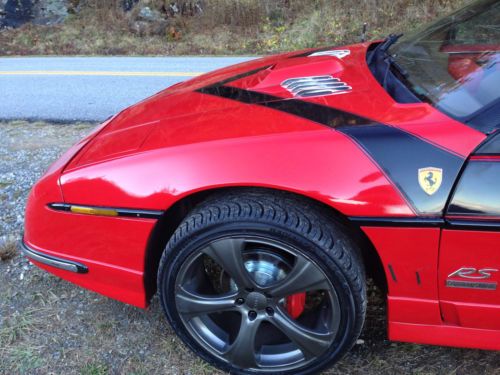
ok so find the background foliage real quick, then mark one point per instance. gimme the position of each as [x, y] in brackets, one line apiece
[216, 26]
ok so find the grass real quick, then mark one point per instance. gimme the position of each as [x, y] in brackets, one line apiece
[224, 27]
[94, 369]
[18, 325]
[26, 359]
[50, 326]
[16, 353]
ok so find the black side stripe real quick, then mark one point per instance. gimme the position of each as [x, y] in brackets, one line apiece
[398, 153]
[321, 114]
[218, 88]
[401, 155]
[234, 93]
[243, 75]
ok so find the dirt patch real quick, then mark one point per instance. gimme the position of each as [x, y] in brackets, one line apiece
[8, 250]
[50, 326]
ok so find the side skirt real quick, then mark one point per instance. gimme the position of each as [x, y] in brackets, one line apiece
[445, 335]
[437, 332]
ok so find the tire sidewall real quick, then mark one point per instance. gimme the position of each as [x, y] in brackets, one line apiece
[189, 243]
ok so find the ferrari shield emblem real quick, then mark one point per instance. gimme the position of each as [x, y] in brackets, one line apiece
[430, 179]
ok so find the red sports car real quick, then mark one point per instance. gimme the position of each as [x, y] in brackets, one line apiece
[257, 199]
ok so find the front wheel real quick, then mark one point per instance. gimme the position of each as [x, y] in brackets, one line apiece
[260, 283]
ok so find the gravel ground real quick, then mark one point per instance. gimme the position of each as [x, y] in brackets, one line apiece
[49, 326]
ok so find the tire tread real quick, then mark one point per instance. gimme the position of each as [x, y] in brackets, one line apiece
[289, 212]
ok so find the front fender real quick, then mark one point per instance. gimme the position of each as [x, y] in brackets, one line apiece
[322, 164]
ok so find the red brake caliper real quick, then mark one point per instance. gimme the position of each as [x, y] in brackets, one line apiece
[295, 304]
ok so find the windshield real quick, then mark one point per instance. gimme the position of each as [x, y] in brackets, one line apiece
[455, 63]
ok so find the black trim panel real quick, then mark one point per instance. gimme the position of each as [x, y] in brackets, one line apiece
[52, 261]
[476, 225]
[406, 222]
[423, 222]
[122, 212]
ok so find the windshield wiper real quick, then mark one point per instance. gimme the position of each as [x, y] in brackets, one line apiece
[389, 41]
[389, 73]
[381, 53]
[382, 48]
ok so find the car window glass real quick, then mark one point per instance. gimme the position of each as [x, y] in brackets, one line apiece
[455, 63]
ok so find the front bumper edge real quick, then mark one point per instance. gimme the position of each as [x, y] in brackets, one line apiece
[53, 261]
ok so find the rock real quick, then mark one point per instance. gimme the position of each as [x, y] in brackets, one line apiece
[15, 13]
[50, 12]
[149, 15]
[137, 27]
[127, 5]
[149, 22]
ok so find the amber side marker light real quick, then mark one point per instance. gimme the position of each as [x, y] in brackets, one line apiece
[93, 211]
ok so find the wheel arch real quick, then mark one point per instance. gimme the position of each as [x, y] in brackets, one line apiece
[173, 216]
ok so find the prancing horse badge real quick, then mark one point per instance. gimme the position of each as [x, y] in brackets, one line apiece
[430, 179]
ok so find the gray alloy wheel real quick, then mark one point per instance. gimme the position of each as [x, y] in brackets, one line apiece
[258, 281]
[230, 275]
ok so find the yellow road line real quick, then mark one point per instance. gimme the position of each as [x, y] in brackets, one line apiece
[95, 73]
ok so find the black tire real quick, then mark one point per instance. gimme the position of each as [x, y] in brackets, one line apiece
[288, 222]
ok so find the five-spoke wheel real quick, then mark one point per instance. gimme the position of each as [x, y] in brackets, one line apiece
[251, 298]
[232, 296]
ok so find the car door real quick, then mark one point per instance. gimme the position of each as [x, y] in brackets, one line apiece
[469, 259]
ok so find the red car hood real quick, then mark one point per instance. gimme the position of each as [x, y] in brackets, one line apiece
[202, 109]
[129, 130]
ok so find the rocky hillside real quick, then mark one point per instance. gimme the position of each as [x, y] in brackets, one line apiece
[14, 13]
[201, 26]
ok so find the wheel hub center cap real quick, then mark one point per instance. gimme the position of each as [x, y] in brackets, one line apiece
[256, 301]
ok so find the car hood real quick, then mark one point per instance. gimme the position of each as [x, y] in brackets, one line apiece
[212, 106]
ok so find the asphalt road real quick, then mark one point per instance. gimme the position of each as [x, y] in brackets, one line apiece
[66, 89]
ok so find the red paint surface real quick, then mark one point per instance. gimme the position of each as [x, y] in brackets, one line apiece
[180, 142]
